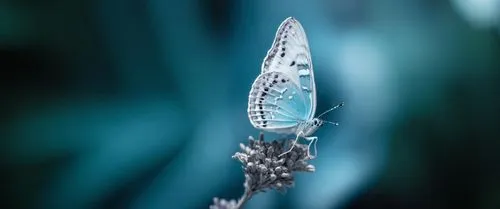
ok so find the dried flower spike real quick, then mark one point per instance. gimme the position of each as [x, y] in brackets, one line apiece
[265, 169]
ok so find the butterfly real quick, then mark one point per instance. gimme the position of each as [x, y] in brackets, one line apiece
[282, 98]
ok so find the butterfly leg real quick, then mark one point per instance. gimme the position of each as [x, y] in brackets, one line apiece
[293, 145]
[313, 139]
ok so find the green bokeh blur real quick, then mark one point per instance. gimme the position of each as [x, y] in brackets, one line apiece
[140, 104]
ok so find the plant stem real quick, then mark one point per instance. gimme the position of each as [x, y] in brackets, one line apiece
[246, 196]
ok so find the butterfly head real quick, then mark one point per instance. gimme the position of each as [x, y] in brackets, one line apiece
[309, 127]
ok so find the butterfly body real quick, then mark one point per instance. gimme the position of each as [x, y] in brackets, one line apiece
[283, 97]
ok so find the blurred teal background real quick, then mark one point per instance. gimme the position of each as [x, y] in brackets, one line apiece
[140, 104]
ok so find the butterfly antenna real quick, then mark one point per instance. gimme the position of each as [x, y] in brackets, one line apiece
[333, 108]
[333, 123]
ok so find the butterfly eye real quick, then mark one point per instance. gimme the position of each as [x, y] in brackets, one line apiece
[315, 122]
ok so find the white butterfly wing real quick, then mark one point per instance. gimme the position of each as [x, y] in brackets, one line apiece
[291, 56]
[275, 103]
